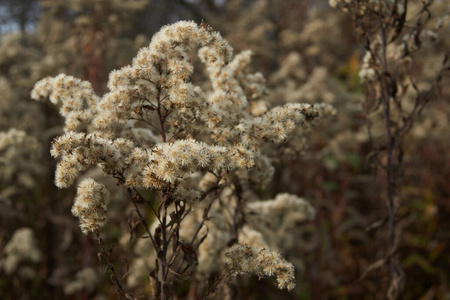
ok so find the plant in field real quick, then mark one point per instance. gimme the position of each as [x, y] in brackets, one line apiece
[199, 151]
[394, 35]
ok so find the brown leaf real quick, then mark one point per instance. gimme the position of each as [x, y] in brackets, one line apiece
[189, 254]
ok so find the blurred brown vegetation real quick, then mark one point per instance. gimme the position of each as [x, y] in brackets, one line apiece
[308, 53]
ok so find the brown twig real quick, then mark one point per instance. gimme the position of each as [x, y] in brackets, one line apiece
[105, 254]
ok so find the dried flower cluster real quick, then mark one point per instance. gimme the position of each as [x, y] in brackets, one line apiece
[267, 222]
[90, 205]
[19, 155]
[157, 82]
[86, 278]
[20, 252]
[156, 130]
[245, 259]
[280, 215]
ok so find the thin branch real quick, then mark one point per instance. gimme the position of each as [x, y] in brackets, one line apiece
[110, 267]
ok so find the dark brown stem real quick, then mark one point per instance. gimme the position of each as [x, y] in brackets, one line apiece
[161, 252]
[147, 228]
[110, 267]
[390, 141]
[141, 198]
[162, 258]
[394, 264]
[206, 210]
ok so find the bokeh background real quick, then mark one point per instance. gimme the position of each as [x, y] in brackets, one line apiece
[307, 52]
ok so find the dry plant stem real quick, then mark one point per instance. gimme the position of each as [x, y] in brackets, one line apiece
[162, 258]
[161, 214]
[205, 215]
[147, 228]
[105, 254]
[214, 188]
[163, 267]
[168, 232]
[395, 268]
[395, 132]
[161, 252]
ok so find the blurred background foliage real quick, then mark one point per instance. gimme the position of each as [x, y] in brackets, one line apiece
[307, 53]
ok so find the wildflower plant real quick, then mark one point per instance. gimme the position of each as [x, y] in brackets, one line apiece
[155, 130]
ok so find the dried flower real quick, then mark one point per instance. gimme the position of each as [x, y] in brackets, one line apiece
[244, 259]
[90, 205]
[21, 248]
